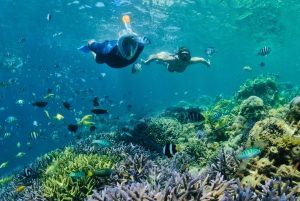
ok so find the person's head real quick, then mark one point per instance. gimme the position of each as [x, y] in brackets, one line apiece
[184, 54]
[127, 44]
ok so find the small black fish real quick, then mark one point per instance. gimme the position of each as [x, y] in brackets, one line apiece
[95, 104]
[262, 64]
[56, 65]
[169, 150]
[27, 172]
[40, 104]
[195, 116]
[22, 90]
[92, 128]
[49, 16]
[21, 40]
[43, 68]
[73, 128]
[49, 91]
[129, 107]
[99, 111]
[67, 105]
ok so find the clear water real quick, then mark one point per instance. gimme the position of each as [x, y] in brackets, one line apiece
[238, 29]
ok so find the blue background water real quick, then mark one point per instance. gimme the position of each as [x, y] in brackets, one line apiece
[237, 29]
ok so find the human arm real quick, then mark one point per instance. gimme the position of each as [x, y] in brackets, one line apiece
[196, 60]
[160, 57]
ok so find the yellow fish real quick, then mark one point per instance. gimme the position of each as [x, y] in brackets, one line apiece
[86, 117]
[6, 180]
[59, 117]
[20, 155]
[88, 123]
[19, 145]
[3, 165]
[20, 189]
[217, 107]
[49, 96]
[47, 113]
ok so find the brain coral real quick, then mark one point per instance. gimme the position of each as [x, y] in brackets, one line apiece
[252, 108]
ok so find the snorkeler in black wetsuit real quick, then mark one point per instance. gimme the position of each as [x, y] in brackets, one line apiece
[118, 53]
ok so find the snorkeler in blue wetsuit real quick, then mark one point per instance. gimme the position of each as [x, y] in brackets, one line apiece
[118, 53]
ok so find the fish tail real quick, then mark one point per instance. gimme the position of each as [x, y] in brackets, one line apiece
[90, 173]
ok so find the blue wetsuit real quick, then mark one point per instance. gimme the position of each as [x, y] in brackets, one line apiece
[106, 52]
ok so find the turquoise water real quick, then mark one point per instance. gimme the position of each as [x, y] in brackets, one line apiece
[237, 30]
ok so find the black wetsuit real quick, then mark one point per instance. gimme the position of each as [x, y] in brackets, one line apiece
[106, 52]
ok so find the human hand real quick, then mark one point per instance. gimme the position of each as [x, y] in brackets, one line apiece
[145, 62]
[208, 63]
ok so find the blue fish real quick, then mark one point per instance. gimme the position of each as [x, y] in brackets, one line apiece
[216, 116]
[249, 153]
[11, 120]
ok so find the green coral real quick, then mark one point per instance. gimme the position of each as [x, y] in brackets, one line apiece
[164, 130]
[263, 87]
[59, 186]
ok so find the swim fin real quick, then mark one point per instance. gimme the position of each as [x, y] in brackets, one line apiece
[84, 49]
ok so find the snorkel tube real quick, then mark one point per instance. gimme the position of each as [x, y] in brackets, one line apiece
[126, 42]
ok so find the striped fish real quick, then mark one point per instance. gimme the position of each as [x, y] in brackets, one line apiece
[195, 116]
[249, 153]
[264, 51]
[35, 135]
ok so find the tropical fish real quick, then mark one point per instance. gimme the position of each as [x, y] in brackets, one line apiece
[170, 150]
[128, 134]
[22, 90]
[20, 189]
[58, 117]
[262, 64]
[35, 123]
[210, 51]
[20, 155]
[88, 123]
[19, 145]
[216, 115]
[20, 102]
[27, 172]
[264, 51]
[249, 153]
[67, 105]
[47, 113]
[195, 116]
[99, 111]
[6, 180]
[34, 135]
[86, 117]
[3, 165]
[136, 68]
[40, 104]
[6, 135]
[49, 16]
[102, 143]
[77, 174]
[49, 96]
[3, 84]
[11, 120]
[103, 172]
[73, 128]
[29, 145]
[247, 68]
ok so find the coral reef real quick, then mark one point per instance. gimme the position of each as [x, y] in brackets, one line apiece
[252, 108]
[293, 115]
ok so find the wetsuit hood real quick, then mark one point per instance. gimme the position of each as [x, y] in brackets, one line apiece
[127, 44]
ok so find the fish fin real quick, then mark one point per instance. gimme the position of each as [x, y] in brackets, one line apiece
[90, 173]
[84, 49]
